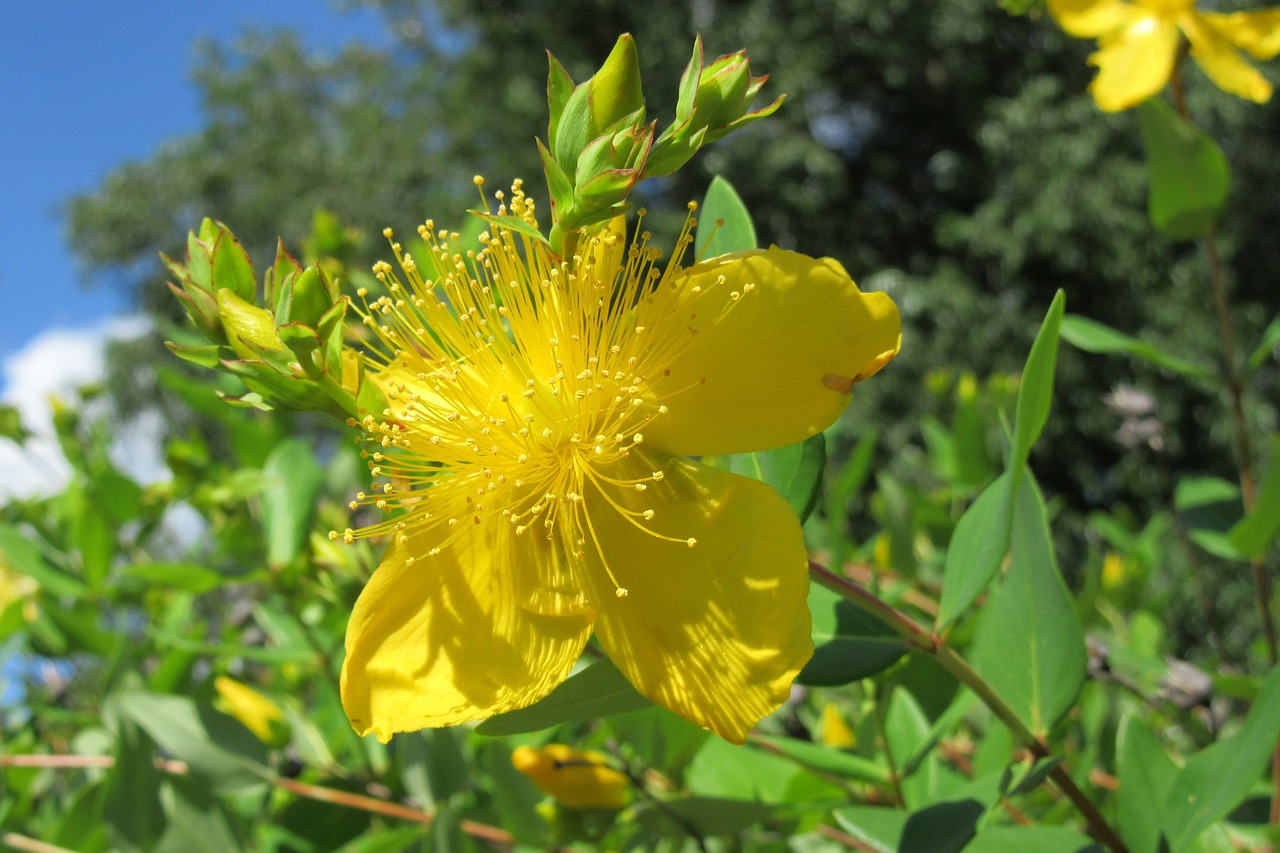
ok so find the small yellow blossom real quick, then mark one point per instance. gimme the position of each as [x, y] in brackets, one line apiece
[1138, 45]
[529, 468]
[834, 731]
[255, 711]
[580, 780]
[15, 586]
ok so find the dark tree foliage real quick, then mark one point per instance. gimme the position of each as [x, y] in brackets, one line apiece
[943, 150]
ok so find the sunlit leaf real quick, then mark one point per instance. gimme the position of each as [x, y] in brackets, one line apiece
[795, 471]
[977, 548]
[1092, 336]
[1035, 392]
[1030, 644]
[1188, 173]
[724, 223]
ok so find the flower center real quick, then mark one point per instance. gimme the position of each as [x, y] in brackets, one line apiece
[516, 383]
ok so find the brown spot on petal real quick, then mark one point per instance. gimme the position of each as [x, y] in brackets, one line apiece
[837, 383]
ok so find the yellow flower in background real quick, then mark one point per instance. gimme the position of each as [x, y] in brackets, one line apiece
[834, 731]
[530, 467]
[1138, 45]
[17, 587]
[581, 780]
[255, 711]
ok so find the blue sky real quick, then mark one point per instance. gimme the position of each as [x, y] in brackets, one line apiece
[85, 87]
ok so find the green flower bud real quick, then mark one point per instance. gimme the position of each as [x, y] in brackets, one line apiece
[714, 100]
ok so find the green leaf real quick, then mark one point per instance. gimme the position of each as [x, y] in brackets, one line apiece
[941, 828]
[977, 548]
[1209, 508]
[1188, 173]
[597, 691]
[724, 224]
[293, 480]
[666, 741]
[176, 724]
[1030, 644]
[877, 827]
[1145, 773]
[850, 480]
[25, 556]
[721, 769]
[1035, 392]
[826, 760]
[231, 267]
[515, 798]
[434, 766]
[708, 816]
[1253, 534]
[1217, 779]
[849, 644]
[795, 471]
[132, 810]
[188, 577]
[1092, 336]
[1266, 345]
[197, 822]
[389, 840]
[82, 826]
[1041, 839]
[909, 741]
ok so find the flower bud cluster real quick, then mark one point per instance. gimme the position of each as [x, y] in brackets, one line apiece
[600, 144]
[287, 351]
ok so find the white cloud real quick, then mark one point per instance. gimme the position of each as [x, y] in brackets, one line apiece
[55, 364]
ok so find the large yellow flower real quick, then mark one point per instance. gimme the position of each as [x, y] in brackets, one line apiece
[1138, 45]
[530, 464]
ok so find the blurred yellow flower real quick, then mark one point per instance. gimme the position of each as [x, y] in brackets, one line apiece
[255, 711]
[529, 465]
[1138, 45]
[834, 731]
[581, 780]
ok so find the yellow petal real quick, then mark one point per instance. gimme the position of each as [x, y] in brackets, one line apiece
[1092, 18]
[1219, 59]
[781, 338]
[442, 640]
[1257, 32]
[1134, 63]
[715, 632]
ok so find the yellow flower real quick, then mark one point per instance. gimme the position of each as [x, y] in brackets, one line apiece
[256, 712]
[581, 780]
[1138, 45]
[530, 467]
[834, 731]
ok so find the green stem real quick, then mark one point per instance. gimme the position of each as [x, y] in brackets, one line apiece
[345, 400]
[923, 641]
